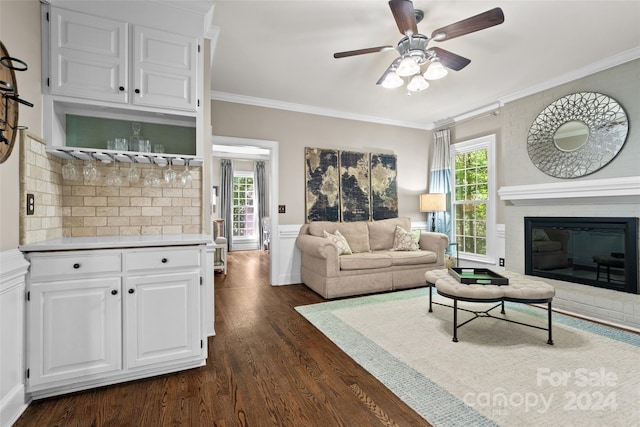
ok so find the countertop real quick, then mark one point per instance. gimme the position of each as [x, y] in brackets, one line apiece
[113, 242]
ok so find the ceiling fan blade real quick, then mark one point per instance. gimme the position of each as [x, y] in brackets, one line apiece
[475, 23]
[361, 51]
[450, 59]
[404, 15]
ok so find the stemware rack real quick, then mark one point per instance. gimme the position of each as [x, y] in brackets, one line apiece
[109, 156]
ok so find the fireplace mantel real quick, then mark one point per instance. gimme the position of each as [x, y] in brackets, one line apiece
[575, 192]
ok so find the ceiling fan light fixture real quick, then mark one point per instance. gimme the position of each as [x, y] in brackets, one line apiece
[417, 83]
[435, 71]
[392, 81]
[408, 67]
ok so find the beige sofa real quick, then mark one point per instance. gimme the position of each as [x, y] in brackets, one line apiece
[374, 266]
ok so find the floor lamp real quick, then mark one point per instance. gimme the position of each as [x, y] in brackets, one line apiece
[433, 202]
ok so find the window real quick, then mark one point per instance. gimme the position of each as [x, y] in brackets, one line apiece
[473, 197]
[244, 206]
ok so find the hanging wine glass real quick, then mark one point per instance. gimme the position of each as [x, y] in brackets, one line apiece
[69, 171]
[114, 179]
[90, 172]
[133, 175]
[185, 176]
[152, 179]
[170, 174]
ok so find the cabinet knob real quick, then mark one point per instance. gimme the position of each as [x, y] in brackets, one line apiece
[137, 91]
[131, 290]
[164, 260]
[114, 292]
[76, 266]
[121, 88]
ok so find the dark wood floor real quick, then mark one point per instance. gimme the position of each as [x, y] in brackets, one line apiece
[267, 366]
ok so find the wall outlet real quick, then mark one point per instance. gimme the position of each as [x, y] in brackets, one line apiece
[501, 262]
[31, 204]
[282, 208]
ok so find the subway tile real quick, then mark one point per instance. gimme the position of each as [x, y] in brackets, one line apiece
[151, 211]
[118, 221]
[83, 211]
[131, 211]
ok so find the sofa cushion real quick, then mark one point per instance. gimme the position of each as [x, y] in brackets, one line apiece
[340, 241]
[412, 257]
[365, 261]
[406, 240]
[382, 232]
[356, 233]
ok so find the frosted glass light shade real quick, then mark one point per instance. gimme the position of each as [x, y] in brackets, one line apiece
[435, 71]
[417, 83]
[392, 80]
[408, 67]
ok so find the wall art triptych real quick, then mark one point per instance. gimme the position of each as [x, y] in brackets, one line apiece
[350, 186]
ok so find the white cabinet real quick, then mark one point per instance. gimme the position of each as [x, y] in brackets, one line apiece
[165, 69]
[74, 329]
[97, 317]
[163, 315]
[96, 58]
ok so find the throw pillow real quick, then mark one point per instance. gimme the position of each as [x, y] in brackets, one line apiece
[406, 240]
[340, 242]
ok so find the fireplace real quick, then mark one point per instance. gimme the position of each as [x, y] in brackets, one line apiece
[600, 252]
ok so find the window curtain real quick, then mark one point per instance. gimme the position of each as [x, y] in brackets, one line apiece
[261, 193]
[226, 196]
[440, 180]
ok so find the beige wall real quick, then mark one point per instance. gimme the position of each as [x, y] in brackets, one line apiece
[20, 33]
[295, 131]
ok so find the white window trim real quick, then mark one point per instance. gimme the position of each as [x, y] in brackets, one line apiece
[488, 142]
[244, 242]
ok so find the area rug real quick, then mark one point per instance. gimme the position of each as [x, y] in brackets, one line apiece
[499, 373]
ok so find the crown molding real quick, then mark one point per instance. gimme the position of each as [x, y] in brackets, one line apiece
[309, 109]
[596, 67]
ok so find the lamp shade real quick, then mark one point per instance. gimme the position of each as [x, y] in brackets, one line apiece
[407, 67]
[392, 80]
[433, 202]
[417, 83]
[435, 71]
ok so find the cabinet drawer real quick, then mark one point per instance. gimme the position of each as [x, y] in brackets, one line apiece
[166, 258]
[50, 266]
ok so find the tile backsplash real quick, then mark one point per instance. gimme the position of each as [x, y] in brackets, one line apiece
[81, 208]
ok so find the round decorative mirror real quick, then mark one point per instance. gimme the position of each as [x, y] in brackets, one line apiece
[8, 107]
[577, 134]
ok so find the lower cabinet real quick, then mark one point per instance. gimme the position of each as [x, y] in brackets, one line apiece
[163, 315]
[105, 316]
[74, 329]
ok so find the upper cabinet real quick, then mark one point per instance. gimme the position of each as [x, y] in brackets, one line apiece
[103, 59]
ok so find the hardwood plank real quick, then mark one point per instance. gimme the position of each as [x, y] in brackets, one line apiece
[267, 366]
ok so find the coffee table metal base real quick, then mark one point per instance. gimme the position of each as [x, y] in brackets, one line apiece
[486, 313]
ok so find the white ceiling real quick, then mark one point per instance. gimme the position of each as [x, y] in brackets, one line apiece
[280, 54]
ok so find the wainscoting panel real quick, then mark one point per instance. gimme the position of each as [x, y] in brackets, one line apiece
[289, 256]
[12, 330]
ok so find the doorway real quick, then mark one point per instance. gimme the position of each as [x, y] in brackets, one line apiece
[253, 149]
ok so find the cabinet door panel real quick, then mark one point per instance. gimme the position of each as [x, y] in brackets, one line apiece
[74, 329]
[89, 57]
[165, 67]
[162, 318]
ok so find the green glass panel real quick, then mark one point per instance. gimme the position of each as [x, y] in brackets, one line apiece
[93, 132]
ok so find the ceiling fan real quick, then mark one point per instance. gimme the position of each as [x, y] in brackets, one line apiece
[414, 47]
